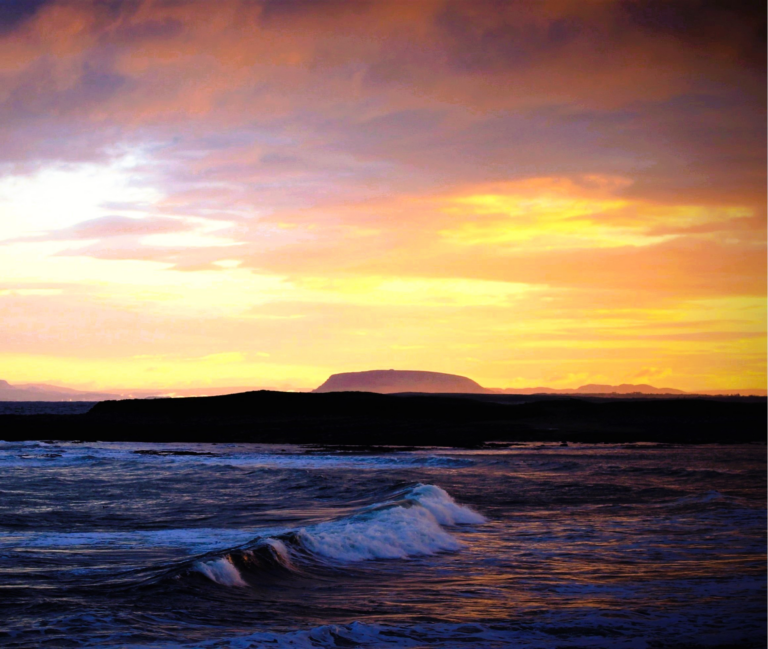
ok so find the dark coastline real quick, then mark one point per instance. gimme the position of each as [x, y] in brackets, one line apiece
[367, 419]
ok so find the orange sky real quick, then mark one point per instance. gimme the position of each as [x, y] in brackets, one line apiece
[265, 193]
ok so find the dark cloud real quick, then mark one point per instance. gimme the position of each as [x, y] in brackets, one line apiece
[498, 34]
[14, 13]
[287, 10]
[148, 30]
[715, 27]
[39, 96]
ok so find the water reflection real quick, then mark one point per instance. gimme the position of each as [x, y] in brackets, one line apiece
[109, 544]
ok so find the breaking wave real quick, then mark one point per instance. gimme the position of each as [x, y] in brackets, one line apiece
[412, 524]
[221, 571]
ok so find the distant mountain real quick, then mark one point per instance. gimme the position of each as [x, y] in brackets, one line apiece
[596, 388]
[382, 381]
[625, 388]
[391, 381]
[44, 392]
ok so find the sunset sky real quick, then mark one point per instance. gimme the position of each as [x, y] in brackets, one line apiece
[265, 193]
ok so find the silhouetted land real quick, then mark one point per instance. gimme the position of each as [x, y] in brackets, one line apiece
[360, 418]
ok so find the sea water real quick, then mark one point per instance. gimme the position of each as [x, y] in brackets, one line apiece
[221, 545]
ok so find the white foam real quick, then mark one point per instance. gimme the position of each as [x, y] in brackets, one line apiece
[411, 526]
[221, 571]
[397, 531]
[394, 533]
[444, 508]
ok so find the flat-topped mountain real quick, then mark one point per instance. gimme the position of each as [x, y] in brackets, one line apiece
[392, 381]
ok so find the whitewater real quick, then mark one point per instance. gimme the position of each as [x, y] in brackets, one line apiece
[237, 546]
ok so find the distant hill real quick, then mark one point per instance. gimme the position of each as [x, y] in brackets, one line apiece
[596, 388]
[624, 388]
[392, 381]
[44, 392]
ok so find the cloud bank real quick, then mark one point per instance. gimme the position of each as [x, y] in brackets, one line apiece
[520, 192]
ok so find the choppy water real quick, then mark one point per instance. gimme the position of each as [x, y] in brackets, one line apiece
[201, 545]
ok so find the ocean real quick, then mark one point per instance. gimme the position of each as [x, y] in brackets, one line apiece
[45, 407]
[237, 546]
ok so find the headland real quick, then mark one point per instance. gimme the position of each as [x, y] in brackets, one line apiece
[368, 419]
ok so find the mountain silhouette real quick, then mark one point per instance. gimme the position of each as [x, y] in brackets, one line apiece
[392, 381]
[44, 392]
[625, 388]
[597, 388]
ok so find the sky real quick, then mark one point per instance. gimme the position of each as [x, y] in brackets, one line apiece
[265, 193]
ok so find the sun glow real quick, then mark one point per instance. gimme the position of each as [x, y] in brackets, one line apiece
[59, 196]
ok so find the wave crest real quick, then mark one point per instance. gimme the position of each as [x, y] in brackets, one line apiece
[394, 533]
[412, 525]
[444, 508]
[221, 571]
